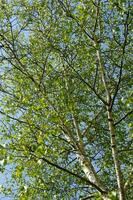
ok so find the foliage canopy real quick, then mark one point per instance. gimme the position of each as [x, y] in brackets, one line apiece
[66, 99]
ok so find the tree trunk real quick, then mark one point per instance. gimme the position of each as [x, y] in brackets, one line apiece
[115, 156]
[112, 129]
[92, 175]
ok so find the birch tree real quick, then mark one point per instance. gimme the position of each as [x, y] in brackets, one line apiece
[66, 93]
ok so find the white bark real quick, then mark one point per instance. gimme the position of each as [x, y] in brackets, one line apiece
[112, 130]
[85, 162]
[91, 174]
[115, 156]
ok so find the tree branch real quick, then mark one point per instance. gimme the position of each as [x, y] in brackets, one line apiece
[122, 60]
[123, 118]
[69, 172]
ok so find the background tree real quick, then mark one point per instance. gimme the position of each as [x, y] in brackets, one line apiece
[66, 98]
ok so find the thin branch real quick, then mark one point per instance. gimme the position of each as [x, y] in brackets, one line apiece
[122, 60]
[70, 15]
[26, 73]
[123, 118]
[13, 118]
[71, 162]
[97, 15]
[86, 83]
[44, 69]
[95, 78]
